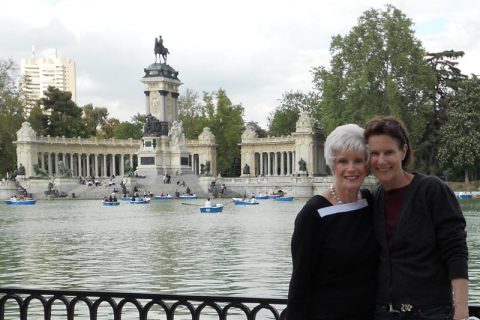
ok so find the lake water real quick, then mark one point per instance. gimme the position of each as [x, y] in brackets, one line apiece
[163, 247]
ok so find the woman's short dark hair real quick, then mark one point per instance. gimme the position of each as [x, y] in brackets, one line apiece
[393, 127]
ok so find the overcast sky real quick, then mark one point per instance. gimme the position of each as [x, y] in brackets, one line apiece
[255, 50]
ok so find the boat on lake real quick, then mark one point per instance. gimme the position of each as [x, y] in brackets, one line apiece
[140, 201]
[262, 197]
[20, 202]
[244, 202]
[283, 198]
[464, 195]
[214, 209]
[164, 197]
[110, 203]
[188, 196]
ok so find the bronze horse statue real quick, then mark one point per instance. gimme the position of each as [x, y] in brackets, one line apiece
[160, 50]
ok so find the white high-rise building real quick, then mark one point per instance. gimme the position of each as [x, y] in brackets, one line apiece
[38, 74]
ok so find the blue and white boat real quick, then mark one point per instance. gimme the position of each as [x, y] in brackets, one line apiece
[188, 196]
[140, 201]
[215, 209]
[464, 195]
[20, 202]
[126, 198]
[285, 198]
[165, 197]
[111, 203]
[262, 197]
[244, 202]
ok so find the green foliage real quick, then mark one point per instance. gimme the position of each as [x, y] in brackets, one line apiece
[94, 118]
[282, 121]
[262, 133]
[217, 112]
[39, 120]
[448, 76]
[108, 128]
[11, 117]
[65, 117]
[378, 68]
[126, 130]
[460, 136]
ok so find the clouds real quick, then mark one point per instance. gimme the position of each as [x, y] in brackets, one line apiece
[255, 50]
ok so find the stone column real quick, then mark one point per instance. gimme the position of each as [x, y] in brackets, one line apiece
[43, 160]
[71, 164]
[282, 163]
[163, 104]
[113, 166]
[131, 161]
[79, 159]
[88, 164]
[49, 163]
[175, 105]
[104, 172]
[147, 102]
[56, 163]
[122, 166]
[268, 163]
[97, 171]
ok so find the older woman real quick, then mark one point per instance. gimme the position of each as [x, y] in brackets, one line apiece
[421, 232]
[334, 252]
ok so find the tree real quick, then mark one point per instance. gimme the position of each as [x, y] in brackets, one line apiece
[126, 130]
[108, 128]
[192, 113]
[226, 121]
[11, 116]
[262, 133]
[64, 115]
[39, 120]
[283, 120]
[460, 136]
[94, 118]
[378, 68]
[448, 76]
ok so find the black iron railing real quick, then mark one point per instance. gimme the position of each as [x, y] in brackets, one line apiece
[168, 306]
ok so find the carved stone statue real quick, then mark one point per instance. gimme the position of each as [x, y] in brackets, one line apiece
[63, 171]
[246, 169]
[207, 168]
[176, 134]
[160, 50]
[128, 168]
[21, 170]
[302, 165]
[202, 168]
[39, 172]
[152, 127]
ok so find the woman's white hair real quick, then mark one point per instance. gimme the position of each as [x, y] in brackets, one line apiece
[348, 137]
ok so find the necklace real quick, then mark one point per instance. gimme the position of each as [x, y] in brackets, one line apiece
[334, 195]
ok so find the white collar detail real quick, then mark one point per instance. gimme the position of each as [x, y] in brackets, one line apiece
[342, 208]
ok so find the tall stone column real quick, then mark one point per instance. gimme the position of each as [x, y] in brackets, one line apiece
[71, 164]
[56, 163]
[97, 171]
[122, 166]
[50, 164]
[175, 105]
[147, 102]
[131, 161]
[43, 160]
[163, 104]
[282, 163]
[79, 164]
[114, 169]
[88, 165]
[104, 171]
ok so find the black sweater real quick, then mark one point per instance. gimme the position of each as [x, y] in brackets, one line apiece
[335, 260]
[428, 247]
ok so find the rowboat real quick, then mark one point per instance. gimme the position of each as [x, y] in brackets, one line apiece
[283, 199]
[111, 203]
[464, 195]
[188, 196]
[265, 197]
[140, 201]
[244, 202]
[20, 202]
[215, 209]
[167, 197]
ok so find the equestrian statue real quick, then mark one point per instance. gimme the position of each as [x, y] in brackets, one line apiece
[160, 50]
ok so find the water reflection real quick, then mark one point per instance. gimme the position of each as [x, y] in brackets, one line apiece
[162, 247]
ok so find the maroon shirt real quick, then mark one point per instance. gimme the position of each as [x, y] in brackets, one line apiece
[393, 202]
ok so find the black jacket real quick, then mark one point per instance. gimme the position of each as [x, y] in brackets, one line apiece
[335, 260]
[428, 247]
